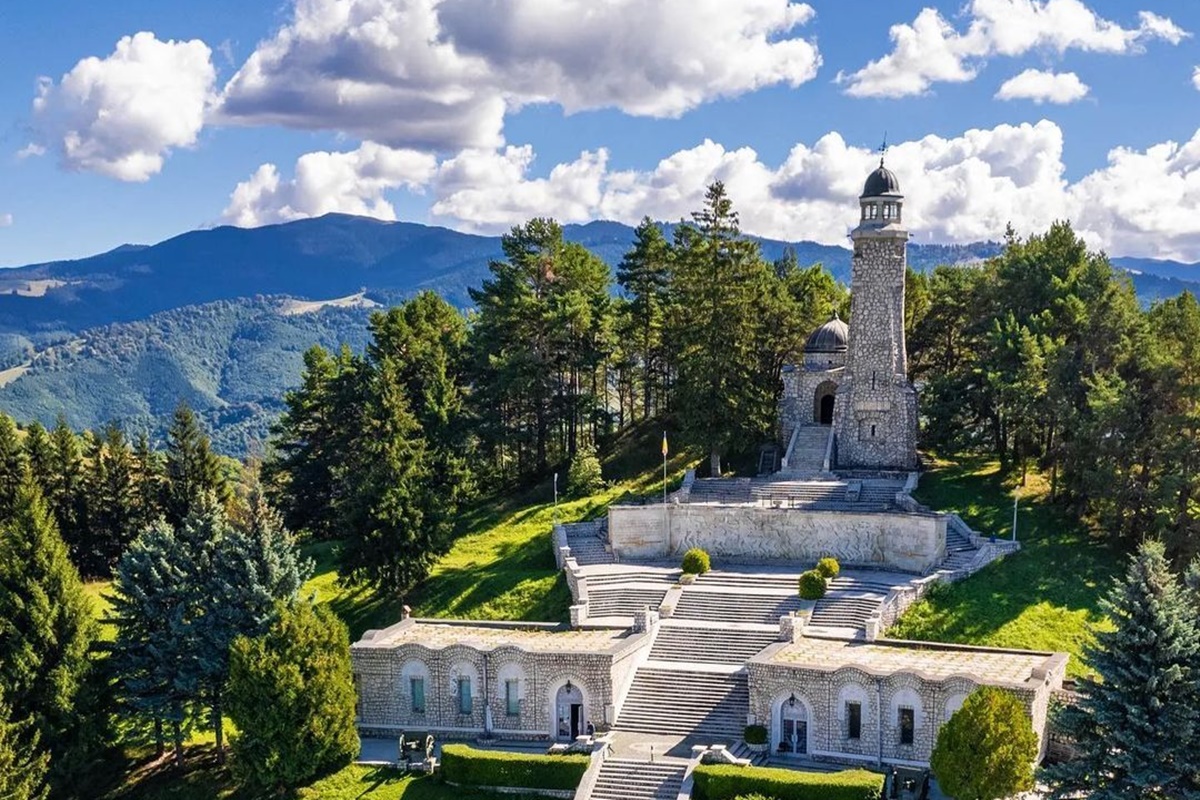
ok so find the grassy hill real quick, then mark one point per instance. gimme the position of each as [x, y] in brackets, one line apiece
[231, 361]
[1045, 597]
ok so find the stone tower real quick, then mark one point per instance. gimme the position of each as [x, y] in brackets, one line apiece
[876, 405]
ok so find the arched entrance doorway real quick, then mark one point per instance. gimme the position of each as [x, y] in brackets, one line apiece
[793, 727]
[568, 712]
[823, 400]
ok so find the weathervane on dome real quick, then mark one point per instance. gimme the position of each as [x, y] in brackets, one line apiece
[883, 148]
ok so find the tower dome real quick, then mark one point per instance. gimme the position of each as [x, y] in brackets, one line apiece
[832, 337]
[880, 182]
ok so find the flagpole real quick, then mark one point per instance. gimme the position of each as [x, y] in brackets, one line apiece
[664, 452]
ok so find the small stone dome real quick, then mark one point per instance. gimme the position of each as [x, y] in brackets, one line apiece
[832, 337]
[880, 182]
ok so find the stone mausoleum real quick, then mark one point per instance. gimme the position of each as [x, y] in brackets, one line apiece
[652, 656]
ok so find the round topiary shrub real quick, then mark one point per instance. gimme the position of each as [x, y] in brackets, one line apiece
[755, 734]
[812, 585]
[829, 567]
[696, 562]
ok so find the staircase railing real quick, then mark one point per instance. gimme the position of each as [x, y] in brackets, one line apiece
[791, 448]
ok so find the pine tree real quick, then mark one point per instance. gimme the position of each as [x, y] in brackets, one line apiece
[645, 275]
[46, 630]
[292, 699]
[66, 494]
[22, 761]
[193, 470]
[12, 466]
[310, 439]
[113, 499]
[723, 401]
[987, 748]
[390, 542]
[39, 452]
[1135, 727]
[150, 473]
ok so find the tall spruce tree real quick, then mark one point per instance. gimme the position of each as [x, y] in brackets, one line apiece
[723, 401]
[23, 762]
[645, 275]
[391, 519]
[39, 452]
[193, 469]
[12, 465]
[66, 494]
[1135, 727]
[46, 631]
[154, 639]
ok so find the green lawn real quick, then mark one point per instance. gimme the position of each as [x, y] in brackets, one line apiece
[1046, 597]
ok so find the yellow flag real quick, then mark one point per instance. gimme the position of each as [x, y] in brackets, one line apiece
[664, 447]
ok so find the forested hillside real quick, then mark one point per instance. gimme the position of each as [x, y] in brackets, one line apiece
[231, 361]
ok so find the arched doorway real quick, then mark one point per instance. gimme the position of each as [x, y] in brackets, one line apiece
[823, 400]
[568, 712]
[793, 727]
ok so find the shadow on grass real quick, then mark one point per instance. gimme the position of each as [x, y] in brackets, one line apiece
[1047, 596]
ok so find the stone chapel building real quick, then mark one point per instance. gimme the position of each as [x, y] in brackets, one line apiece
[650, 653]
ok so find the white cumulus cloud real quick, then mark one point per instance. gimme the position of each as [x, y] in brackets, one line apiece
[1196, 78]
[349, 183]
[442, 74]
[121, 115]
[1043, 87]
[931, 50]
[6, 220]
[964, 188]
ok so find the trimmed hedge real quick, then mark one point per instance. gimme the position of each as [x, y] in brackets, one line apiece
[812, 585]
[755, 734]
[696, 562]
[728, 781]
[829, 567]
[468, 766]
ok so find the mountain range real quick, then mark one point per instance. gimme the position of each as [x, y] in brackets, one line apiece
[206, 316]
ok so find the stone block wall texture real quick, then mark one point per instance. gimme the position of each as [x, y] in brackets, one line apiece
[824, 695]
[797, 404]
[385, 701]
[876, 413]
[748, 534]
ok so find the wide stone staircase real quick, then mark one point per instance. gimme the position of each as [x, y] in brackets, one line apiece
[628, 779]
[623, 600]
[681, 702]
[686, 643]
[808, 451]
[727, 606]
[848, 602]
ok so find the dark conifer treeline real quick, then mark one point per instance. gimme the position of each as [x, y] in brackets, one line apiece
[1043, 358]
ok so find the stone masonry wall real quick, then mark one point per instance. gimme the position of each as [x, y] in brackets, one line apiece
[824, 696]
[748, 534]
[382, 676]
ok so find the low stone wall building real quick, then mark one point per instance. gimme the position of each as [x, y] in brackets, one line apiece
[510, 680]
[822, 698]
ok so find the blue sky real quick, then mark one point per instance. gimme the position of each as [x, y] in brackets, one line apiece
[477, 115]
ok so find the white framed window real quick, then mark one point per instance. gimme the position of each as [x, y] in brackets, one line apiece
[512, 698]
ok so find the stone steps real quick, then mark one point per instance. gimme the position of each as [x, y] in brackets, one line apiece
[782, 582]
[622, 601]
[762, 609]
[686, 703]
[843, 612]
[612, 579]
[808, 452]
[588, 550]
[627, 779]
[708, 645]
